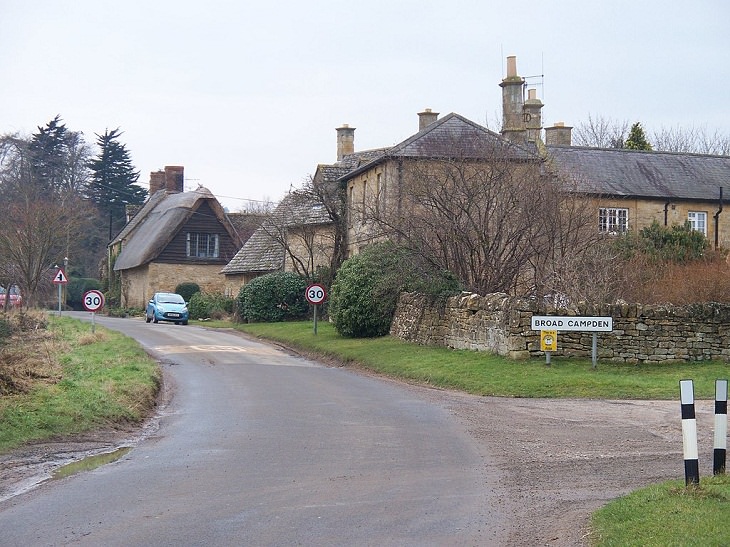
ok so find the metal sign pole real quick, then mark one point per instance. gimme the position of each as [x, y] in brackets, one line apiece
[315, 319]
[594, 349]
[59, 300]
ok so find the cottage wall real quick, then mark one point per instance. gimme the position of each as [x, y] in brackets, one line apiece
[500, 324]
[139, 284]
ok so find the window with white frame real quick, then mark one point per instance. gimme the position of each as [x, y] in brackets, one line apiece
[200, 245]
[613, 220]
[698, 221]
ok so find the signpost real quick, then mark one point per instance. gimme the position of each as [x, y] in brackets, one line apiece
[93, 302]
[315, 295]
[554, 323]
[59, 280]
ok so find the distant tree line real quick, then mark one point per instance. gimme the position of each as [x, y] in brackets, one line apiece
[602, 132]
[61, 198]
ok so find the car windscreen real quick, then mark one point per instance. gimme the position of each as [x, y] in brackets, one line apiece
[172, 299]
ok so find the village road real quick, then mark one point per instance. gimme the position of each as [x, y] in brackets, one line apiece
[261, 447]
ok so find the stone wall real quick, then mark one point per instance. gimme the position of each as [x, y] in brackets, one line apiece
[501, 324]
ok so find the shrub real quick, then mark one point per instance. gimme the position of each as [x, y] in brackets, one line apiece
[214, 306]
[367, 286]
[273, 297]
[187, 290]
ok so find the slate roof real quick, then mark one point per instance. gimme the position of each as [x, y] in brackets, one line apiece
[633, 173]
[263, 252]
[451, 136]
[153, 227]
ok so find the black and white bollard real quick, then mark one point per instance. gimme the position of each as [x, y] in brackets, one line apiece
[689, 433]
[718, 465]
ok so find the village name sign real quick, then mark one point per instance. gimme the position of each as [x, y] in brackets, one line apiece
[586, 324]
[549, 325]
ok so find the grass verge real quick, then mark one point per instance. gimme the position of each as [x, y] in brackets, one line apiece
[485, 374]
[97, 380]
[667, 514]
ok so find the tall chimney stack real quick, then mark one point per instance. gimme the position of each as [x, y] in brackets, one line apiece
[513, 124]
[345, 141]
[426, 118]
[533, 116]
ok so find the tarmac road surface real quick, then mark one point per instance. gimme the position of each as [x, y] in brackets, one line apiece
[260, 447]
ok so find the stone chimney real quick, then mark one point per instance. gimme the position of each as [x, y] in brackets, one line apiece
[345, 141]
[558, 135]
[513, 124]
[532, 116]
[426, 118]
[170, 179]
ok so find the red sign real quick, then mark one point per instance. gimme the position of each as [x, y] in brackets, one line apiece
[93, 300]
[60, 277]
[316, 294]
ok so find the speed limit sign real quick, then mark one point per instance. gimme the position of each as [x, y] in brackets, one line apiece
[93, 300]
[316, 294]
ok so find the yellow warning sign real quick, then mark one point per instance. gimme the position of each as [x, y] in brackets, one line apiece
[549, 340]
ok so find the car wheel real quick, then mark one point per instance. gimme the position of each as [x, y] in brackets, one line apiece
[147, 318]
[155, 320]
[177, 322]
[184, 322]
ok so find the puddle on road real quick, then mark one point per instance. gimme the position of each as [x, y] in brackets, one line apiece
[90, 463]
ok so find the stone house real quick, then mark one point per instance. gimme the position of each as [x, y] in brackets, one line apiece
[625, 189]
[297, 237]
[175, 237]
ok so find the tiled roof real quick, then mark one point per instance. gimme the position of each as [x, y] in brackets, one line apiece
[450, 136]
[622, 172]
[263, 252]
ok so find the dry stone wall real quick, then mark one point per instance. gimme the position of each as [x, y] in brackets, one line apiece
[501, 324]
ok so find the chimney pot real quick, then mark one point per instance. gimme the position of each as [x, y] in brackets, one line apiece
[511, 66]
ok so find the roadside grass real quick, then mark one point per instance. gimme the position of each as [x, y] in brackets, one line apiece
[481, 373]
[667, 514]
[98, 379]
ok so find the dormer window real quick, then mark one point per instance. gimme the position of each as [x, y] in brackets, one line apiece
[199, 245]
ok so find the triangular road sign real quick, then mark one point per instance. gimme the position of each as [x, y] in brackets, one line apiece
[60, 277]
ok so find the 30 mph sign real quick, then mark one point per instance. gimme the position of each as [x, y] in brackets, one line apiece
[93, 300]
[316, 294]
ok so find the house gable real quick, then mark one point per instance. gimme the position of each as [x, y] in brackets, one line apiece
[204, 222]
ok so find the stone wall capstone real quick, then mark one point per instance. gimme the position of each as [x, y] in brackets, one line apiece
[501, 324]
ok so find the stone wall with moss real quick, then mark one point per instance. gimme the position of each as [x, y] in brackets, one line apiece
[502, 324]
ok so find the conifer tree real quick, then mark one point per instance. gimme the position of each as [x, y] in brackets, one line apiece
[113, 181]
[637, 138]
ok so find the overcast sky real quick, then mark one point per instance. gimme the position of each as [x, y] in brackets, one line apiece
[247, 95]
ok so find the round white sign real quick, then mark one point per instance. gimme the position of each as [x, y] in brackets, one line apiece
[93, 300]
[316, 294]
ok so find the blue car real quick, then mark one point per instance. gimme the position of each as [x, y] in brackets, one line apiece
[167, 306]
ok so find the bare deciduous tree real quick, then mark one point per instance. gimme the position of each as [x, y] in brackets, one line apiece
[601, 132]
[39, 223]
[692, 139]
[493, 215]
[308, 225]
